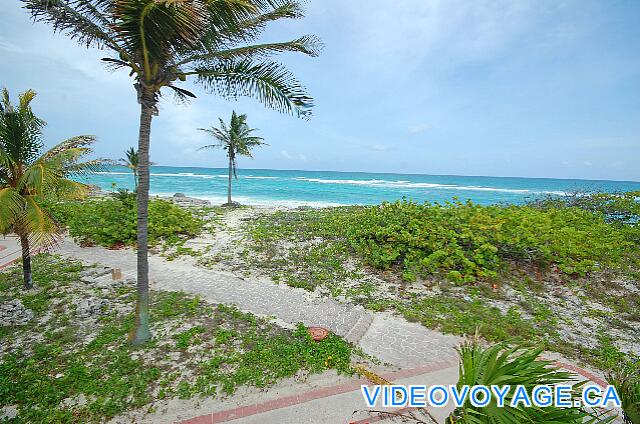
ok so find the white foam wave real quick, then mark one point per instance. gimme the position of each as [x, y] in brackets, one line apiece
[354, 182]
[409, 184]
[251, 177]
[162, 174]
[113, 173]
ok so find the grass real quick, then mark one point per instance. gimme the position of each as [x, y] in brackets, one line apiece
[59, 368]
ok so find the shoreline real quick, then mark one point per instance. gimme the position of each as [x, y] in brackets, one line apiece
[183, 199]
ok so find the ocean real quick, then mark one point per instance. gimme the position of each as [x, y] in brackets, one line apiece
[329, 188]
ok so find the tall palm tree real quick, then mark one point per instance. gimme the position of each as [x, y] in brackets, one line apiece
[162, 43]
[236, 139]
[28, 175]
[131, 161]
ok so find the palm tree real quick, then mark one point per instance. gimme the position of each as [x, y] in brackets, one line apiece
[131, 161]
[162, 43]
[236, 139]
[28, 176]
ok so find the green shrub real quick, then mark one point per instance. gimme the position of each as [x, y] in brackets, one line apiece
[623, 207]
[112, 221]
[465, 241]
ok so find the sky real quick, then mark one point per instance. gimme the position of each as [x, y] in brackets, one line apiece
[540, 88]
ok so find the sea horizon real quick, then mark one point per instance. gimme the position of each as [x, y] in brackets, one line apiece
[290, 188]
[394, 173]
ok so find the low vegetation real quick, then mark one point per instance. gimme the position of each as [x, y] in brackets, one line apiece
[558, 272]
[62, 367]
[111, 221]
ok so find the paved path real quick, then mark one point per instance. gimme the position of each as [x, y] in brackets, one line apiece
[339, 404]
[336, 404]
[10, 250]
[391, 339]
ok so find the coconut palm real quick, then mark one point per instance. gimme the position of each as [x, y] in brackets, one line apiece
[131, 161]
[237, 140]
[28, 175]
[162, 43]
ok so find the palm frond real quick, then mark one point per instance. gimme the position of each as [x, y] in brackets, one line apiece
[308, 44]
[182, 94]
[11, 205]
[269, 82]
[157, 29]
[44, 232]
[250, 29]
[20, 130]
[82, 20]
[513, 366]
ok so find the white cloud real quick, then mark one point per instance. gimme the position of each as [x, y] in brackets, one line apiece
[587, 163]
[407, 33]
[418, 128]
[292, 156]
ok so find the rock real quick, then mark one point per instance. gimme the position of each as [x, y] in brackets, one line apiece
[86, 308]
[13, 312]
[182, 200]
[90, 275]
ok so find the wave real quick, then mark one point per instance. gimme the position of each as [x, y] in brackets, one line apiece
[409, 184]
[251, 177]
[112, 173]
[163, 174]
[356, 182]
[379, 183]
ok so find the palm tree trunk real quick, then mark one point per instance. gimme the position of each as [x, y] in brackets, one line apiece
[26, 261]
[147, 105]
[230, 177]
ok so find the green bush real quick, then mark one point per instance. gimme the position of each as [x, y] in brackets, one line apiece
[623, 207]
[465, 241]
[462, 242]
[112, 221]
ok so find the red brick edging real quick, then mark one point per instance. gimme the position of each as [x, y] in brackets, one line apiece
[245, 411]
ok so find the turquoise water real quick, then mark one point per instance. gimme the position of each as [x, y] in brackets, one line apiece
[326, 188]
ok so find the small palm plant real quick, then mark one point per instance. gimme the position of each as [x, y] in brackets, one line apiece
[29, 175]
[626, 380]
[237, 140]
[131, 161]
[502, 365]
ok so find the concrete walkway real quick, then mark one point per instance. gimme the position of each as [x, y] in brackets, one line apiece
[389, 338]
[10, 251]
[338, 404]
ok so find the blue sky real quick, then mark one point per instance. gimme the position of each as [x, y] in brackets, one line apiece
[535, 88]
